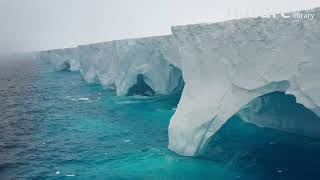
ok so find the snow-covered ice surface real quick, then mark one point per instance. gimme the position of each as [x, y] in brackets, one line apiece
[222, 66]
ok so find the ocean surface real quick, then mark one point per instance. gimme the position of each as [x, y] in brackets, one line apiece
[53, 125]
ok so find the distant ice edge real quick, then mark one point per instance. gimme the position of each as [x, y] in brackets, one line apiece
[117, 64]
[222, 66]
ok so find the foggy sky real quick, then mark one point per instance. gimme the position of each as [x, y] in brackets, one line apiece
[32, 25]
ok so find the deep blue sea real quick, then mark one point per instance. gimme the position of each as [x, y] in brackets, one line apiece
[53, 125]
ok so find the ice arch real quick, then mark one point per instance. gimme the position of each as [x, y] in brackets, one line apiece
[280, 111]
[226, 65]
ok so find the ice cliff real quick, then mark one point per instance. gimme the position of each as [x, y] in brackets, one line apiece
[224, 66]
[118, 64]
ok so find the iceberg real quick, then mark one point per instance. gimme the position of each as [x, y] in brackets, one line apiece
[223, 69]
[227, 65]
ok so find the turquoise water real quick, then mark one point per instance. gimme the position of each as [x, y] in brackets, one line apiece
[56, 126]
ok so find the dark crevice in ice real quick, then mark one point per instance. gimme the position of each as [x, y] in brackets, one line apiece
[141, 88]
[176, 72]
[64, 67]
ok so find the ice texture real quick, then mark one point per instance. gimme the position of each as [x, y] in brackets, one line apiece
[222, 66]
[227, 65]
[95, 61]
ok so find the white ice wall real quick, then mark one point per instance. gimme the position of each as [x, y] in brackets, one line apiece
[151, 58]
[61, 58]
[117, 64]
[226, 65]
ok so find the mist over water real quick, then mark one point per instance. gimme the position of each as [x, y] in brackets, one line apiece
[54, 125]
